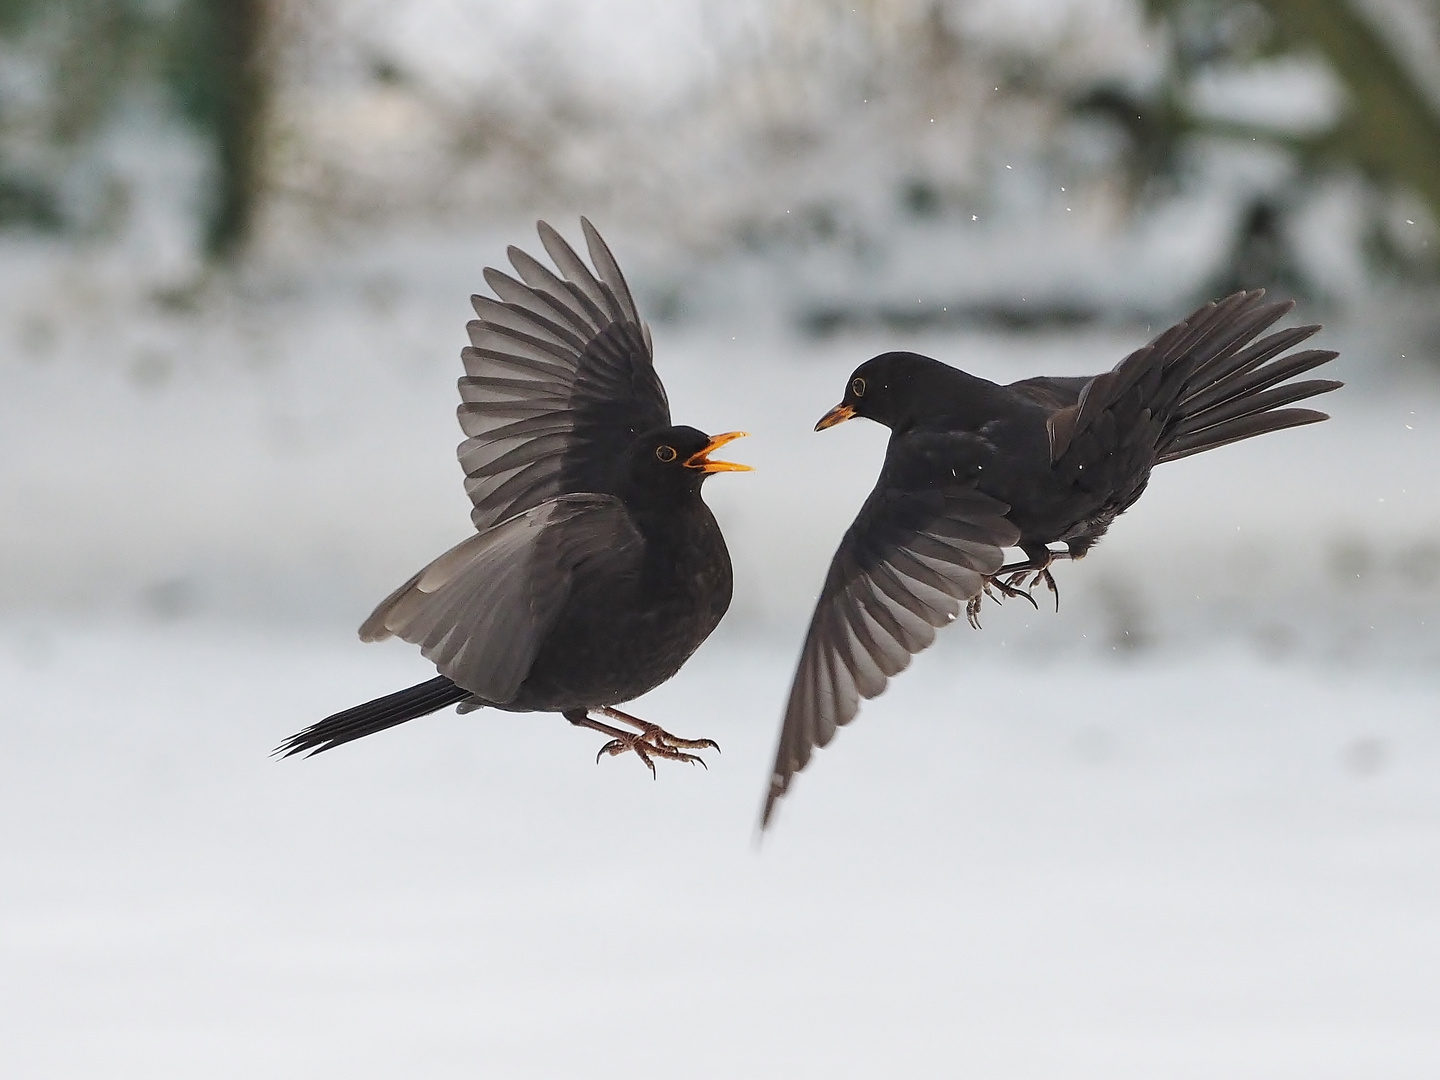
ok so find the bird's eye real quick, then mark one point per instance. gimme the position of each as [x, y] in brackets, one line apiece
[857, 387]
[665, 453]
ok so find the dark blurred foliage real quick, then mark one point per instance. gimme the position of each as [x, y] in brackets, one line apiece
[1388, 129]
[215, 69]
[208, 59]
[1261, 251]
[212, 63]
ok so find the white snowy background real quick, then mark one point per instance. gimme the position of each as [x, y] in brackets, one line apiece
[1189, 826]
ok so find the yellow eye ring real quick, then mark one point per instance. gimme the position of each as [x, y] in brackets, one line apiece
[665, 453]
[857, 387]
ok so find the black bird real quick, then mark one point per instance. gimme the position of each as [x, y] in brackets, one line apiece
[974, 467]
[597, 569]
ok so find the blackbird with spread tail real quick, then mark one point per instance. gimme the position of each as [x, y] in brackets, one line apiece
[974, 467]
[596, 568]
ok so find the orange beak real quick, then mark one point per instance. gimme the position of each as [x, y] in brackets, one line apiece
[838, 415]
[701, 461]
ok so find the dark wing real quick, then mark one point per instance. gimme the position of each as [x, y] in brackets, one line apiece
[908, 565]
[1200, 384]
[559, 379]
[1052, 391]
[481, 611]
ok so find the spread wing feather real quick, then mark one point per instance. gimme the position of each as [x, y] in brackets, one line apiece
[559, 378]
[906, 567]
[481, 611]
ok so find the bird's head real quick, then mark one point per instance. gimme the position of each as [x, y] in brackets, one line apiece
[886, 388]
[675, 461]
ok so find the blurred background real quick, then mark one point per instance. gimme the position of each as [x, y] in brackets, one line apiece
[1187, 826]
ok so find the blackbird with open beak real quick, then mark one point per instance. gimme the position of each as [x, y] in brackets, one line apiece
[974, 467]
[597, 569]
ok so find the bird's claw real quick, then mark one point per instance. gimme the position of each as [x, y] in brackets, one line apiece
[675, 741]
[1042, 575]
[644, 749]
[1049, 580]
[1006, 588]
[1010, 587]
[653, 741]
[972, 611]
[1013, 576]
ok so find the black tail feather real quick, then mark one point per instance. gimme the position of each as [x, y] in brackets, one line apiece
[1251, 405]
[1238, 393]
[1243, 427]
[1247, 359]
[1245, 383]
[384, 712]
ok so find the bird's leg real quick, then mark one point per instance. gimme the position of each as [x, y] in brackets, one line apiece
[656, 734]
[620, 741]
[651, 743]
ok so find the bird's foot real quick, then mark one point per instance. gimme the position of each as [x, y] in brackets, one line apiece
[655, 731]
[652, 742]
[1037, 568]
[972, 611]
[1041, 575]
[1049, 580]
[993, 585]
[1010, 588]
[644, 747]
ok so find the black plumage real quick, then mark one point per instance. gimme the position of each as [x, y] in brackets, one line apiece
[974, 467]
[597, 569]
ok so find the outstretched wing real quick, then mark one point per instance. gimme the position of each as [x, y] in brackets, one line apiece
[559, 379]
[481, 611]
[907, 566]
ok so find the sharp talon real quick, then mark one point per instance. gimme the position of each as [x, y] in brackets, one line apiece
[1010, 588]
[662, 736]
[1010, 579]
[651, 742]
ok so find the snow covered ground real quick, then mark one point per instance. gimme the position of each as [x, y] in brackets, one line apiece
[1004, 869]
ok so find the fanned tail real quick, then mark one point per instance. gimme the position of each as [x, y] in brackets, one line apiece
[1203, 383]
[1237, 394]
[383, 712]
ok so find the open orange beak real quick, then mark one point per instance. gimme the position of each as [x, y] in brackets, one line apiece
[701, 461]
[838, 415]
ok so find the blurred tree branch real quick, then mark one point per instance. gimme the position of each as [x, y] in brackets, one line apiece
[1390, 130]
[218, 73]
[208, 57]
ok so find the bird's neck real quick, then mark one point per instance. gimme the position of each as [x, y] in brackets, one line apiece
[951, 400]
[673, 522]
